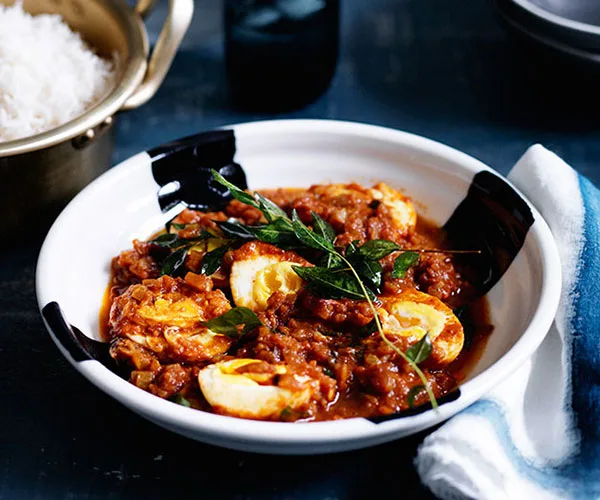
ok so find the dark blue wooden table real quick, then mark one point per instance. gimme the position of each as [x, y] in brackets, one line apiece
[445, 70]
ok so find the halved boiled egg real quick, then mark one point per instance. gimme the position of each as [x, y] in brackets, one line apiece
[166, 315]
[183, 312]
[413, 314]
[259, 270]
[191, 347]
[401, 209]
[234, 388]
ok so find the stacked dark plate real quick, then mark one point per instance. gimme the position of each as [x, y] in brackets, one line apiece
[571, 27]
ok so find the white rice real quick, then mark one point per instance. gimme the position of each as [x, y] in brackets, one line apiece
[48, 75]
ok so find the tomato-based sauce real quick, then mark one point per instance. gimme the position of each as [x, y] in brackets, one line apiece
[312, 355]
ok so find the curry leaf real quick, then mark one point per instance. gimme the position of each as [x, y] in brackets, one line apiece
[180, 400]
[278, 232]
[322, 228]
[269, 209]
[170, 224]
[413, 393]
[308, 237]
[419, 351]
[352, 248]
[331, 284]
[289, 414]
[174, 262]
[212, 260]
[172, 240]
[370, 270]
[368, 329]
[235, 229]
[168, 240]
[378, 249]
[235, 191]
[403, 262]
[331, 261]
[228, 323]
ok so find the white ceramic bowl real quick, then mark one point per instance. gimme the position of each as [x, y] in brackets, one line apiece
[74, 264]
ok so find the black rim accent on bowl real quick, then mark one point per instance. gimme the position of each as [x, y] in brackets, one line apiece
[63, 332]
[79, 346]
[492, 218]
[183, 170]
[448, 398]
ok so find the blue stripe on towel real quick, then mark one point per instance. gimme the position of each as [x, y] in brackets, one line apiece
[586, 337]
[579, 476]
[569, 479]
[546, 477]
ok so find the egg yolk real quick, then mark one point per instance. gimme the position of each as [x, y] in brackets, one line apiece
[278, 277]
[228, 375]
[182, 313]
[411, 319]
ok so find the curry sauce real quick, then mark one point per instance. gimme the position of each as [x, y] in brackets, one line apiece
[311, 356]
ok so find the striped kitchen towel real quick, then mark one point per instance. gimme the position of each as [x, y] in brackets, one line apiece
[537, 435]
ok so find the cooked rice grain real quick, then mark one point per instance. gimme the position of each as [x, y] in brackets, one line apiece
[48, 74]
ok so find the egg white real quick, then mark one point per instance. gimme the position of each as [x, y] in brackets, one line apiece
[262, 271]
[401, 209]
[414, 314]
[242, 396]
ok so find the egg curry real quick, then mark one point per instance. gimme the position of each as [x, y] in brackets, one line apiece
[330, 302]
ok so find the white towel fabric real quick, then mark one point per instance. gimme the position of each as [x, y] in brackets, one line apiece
[537, 435]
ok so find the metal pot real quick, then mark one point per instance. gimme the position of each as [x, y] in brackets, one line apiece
[39, 174]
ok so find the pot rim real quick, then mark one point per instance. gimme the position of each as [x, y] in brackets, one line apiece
[134, 70]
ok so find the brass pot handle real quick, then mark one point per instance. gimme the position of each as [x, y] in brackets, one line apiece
[174, 29]
[144, 7]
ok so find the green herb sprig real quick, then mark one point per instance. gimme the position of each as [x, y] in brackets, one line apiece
[211, 261]
[403, 262]
[180, 248]
[228, 323]
[181, 400]
[311, 239]
[358, 265]
[413, 393]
